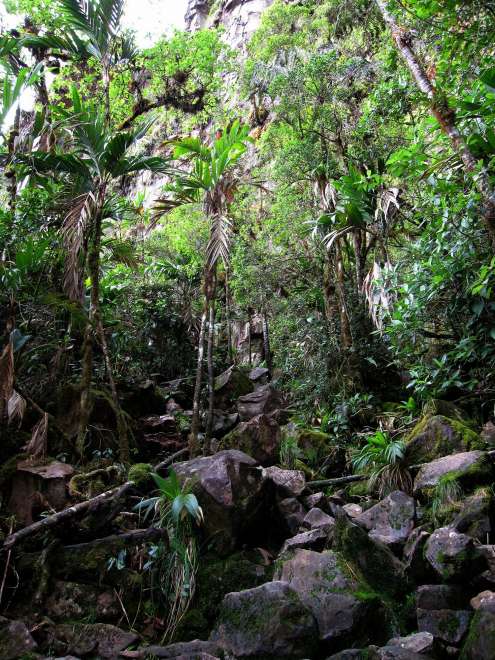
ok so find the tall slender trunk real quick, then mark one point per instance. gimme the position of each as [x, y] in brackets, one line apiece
[211, 377]
[345, 326]
[230, 351]
[358, 250]
[193, 436]
[10, 171]
[266, 341]
[95, 330]
[93, 264]
[329, 291]
[210, 282]
[250, 334]
[445, 117]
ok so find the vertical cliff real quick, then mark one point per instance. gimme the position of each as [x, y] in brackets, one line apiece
[239, 18]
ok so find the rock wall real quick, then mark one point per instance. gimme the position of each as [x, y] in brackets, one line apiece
[240, 18]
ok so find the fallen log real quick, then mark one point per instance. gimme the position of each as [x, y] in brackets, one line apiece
[74, 511]
[336, 481]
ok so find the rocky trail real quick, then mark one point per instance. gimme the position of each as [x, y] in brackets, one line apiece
[286, 570]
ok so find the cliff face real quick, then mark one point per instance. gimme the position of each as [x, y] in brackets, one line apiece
[240, 18]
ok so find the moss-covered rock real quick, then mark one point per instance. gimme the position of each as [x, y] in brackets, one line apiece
[217, 577]
[140, 473]
[372, 559]
[437, 436]
[269, 621]
[470, 469]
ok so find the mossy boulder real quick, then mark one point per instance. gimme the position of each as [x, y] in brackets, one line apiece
[480, 642]
[15, 639]
[331, 594]
[217, 577]
[259, 438]
[437, 436]
[377, 564]
[453, 556]
[140, 474]
[267, 622]
[471, 468]
[230, 385]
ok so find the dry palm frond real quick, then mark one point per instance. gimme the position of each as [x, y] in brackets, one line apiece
[377, 294]
[74, 231]
[16, 407]
[6, 375]
[36, 447]
[387, 204]
[219, 244]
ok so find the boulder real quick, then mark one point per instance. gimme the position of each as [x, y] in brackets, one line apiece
[194, 650]
[69, 600]
[484, 601]
[315, 539]
[15, 639]
[452, 555]
[267, 621]
[263, 401]
[373, 559]
[215, 578]
[230, 490]
[480, 642]
[230, 385]
[395, 653]
[391, 521]
[259, 376]
[328, 592]
[259, 438]
[95, 639]
[440, 597]
[437, 436]
[353, 510]
[476, 515]
[159, 424]
[472, 467]
[290, 483]
[349, 654]
[417, 567]
[36, 488]
[317, 519]
[318, 500]
[449, 626]
[391, 652]
[223, 422]
[292, 514]
[421, 642]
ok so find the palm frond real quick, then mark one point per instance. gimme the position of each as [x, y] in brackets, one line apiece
[219, 244]
[74, 230]
[16, 407]
[37, 446]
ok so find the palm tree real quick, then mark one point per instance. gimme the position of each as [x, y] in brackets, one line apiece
[211, 182]
[93, 158]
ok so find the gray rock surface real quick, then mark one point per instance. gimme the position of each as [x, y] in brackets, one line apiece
[391, 521]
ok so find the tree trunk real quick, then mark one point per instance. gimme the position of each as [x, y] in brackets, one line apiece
[10, 171]
[266, 341]
[230, 351]
[345, 326]
[211, 377]
[330, 292]
[358, 250]
[122, 431]
[193, 436]
[250, 332]
[93, 322]
[445, 117]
